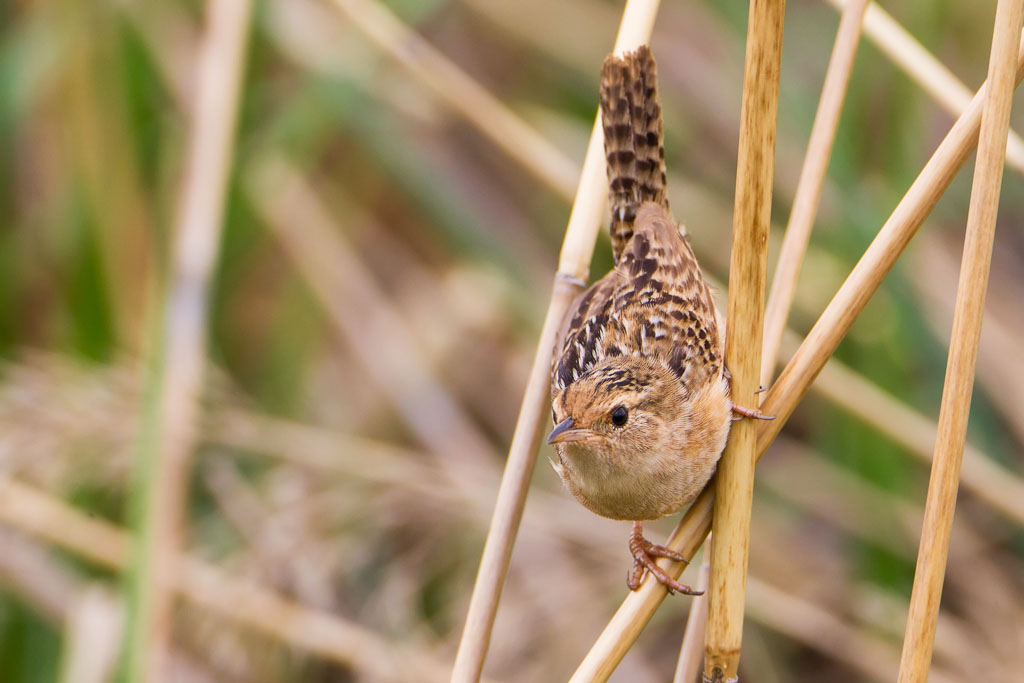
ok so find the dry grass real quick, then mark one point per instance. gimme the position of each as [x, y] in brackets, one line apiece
[388, 242]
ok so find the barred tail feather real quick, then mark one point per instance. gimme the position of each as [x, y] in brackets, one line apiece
[633, 140]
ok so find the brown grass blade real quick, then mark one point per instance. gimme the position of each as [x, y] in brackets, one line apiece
[963, 348]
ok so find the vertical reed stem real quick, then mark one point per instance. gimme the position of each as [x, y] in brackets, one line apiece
[169, 420]
[808, 189]
[734, 487]
[963, 347]
[692, 648]
[573, 265]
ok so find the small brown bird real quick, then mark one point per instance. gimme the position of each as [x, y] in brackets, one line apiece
[640, 395]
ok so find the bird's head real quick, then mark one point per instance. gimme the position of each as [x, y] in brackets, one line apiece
[625, 405]
[632, 443]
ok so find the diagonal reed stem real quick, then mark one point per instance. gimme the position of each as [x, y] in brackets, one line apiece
[782, 398]
[734, 490]
[808, 189]
[963, 347]
[170, 415]
[574, 260]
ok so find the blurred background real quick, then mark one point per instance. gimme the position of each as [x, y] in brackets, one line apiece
[382, 277]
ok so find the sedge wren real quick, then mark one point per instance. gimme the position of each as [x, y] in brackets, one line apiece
[640, 395]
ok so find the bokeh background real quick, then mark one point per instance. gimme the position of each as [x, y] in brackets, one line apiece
[370, 333]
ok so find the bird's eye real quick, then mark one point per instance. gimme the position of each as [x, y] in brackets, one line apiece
[619, 416]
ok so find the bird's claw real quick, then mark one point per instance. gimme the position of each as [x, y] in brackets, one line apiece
[749, 412]
[644, 552]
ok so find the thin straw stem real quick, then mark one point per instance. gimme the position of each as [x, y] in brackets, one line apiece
[691, 652]
[169, 420]
[963, 347]
[812, 178]
[923, 67]
[463, 94]
[734, 489]
[781, 399]
[573, 265]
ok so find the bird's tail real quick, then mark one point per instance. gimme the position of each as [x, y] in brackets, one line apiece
[633, 140]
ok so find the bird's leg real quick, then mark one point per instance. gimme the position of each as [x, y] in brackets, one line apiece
[644, 552]
[750, 412]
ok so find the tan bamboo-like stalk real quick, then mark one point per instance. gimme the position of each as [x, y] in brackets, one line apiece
[169, 422]
[463, 94]
[691, 651]
[233, 598]
[573, 267]
[922, 66]
[963, 348]
[781, 399]
[812, 178]
[734, 488]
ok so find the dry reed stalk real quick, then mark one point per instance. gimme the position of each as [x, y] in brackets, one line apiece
[808, 189]
[463, 94]
[169, 421]
[963, 348]
[734, 487]
[992, 483]
[781, 399]
[573, 266]
[921, 65]
[691, 651]
[233, 598]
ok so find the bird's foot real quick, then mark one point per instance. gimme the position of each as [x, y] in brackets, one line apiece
[749, 412]
[644, 552]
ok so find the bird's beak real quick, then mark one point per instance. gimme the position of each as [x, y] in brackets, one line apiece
[564, 431]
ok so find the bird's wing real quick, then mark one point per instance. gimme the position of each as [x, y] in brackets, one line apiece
[665, 305]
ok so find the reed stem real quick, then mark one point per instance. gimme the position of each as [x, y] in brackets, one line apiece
[963, 348]
[692, 649]
[734, 489]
